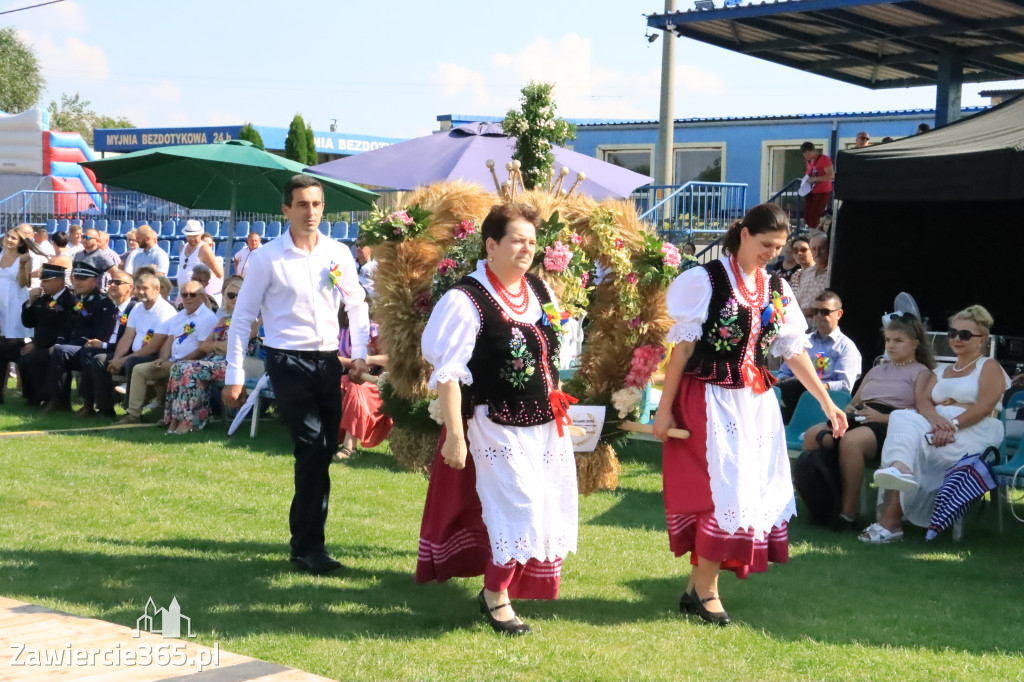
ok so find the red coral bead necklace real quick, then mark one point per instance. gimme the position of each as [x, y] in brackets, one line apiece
[753, 299]
[517, 303]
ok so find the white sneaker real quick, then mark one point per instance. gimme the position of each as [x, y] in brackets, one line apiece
[891, 478]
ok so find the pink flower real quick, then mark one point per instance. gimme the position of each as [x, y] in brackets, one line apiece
[635, 322]
[557, 257]
[403, 216]
[723, 332]
[619, 243]
[517, 363]
[446, 266]
[645, 361]
[466, 227]
[671, 258]
[585, 278]
[631, 278]
[576, 239]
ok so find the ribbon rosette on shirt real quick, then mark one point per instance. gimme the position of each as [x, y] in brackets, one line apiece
[223, 326]
[52, 305]
[821, 363]
[190, 328]
[148, 337]
[79, 309]
[775, 310]
[334, 273]
[553, 317]
[124, 319]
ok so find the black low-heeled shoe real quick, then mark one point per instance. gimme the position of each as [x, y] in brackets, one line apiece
[721, 618]
[513, 627]
[688, 603]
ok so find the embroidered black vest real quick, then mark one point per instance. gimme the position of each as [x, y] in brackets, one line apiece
[514, 364]
[718, 353]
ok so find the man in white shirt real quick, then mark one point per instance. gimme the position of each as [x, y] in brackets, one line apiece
[74, 241]
[367, 269]
[252, 242]
[179, 339]
[138, 344]
[299, 281]
[42, 239]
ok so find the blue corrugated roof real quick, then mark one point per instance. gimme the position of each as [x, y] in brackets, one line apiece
[797, 117]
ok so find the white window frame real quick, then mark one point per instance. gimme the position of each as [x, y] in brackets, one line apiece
[640, 147]
[767, 146]
[683, 146]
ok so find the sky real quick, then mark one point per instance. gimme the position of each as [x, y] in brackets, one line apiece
[390, 67]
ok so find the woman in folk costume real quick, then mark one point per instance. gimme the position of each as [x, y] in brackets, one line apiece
[508, 510]
[728, 493]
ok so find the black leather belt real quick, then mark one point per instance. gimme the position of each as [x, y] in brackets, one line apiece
[307, 354]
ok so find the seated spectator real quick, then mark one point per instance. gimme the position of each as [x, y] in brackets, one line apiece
[93, 253]
[811, 281]
[786, 265]
[94, 320]
[138, 344]
[203, 276]
[98, 350]
[192, 381]
[954, 417]
[252, 242]
[366, 266]
[104, 238]
[886, 387]
[363, 424]
[132, 249]
[217, 273]
[149, 252]
[75, 244]
[60, 243]
[48, 312]
[689, 248]
[832, 352]
[179, 338]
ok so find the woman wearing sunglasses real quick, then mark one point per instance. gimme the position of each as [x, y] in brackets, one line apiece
[886, 387]
[188, 387]
[954, 417]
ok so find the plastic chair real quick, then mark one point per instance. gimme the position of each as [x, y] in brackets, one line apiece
[167, 229]
[172, 270]
[101, 225]
[258, 226]
[221, 250]
[353, 232]
[807, 414]
[51, 225]
[88, 223]
[840, 398]
[339, 230]
[212, 226]
[164, 244]
[242, 230]
[76, 221]
[127, 226]
[325, 228]
[273, 230]
[62, 225]
[119, 246]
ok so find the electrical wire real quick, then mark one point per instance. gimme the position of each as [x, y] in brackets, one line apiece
[22, 9]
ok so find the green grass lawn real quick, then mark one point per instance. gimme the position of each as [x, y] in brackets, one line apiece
[96, 524]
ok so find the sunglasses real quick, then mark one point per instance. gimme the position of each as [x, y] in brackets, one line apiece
[118, 282]
[186, 294]
[823, 311]
[962, 334]
[86, 237]
[232, 295]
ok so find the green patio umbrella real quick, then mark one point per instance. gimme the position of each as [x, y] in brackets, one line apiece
[232, 175]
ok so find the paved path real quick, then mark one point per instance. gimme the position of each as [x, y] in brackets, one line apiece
[32, 638]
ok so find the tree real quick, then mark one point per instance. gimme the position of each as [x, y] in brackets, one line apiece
[252, 135]
[311, 155]
[21, 82]
[295, 142]
[536, 128]
[73, 115]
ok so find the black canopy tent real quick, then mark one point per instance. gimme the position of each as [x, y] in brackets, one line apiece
[941, 216]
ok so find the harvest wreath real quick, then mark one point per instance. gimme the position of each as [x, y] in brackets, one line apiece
[424, 250]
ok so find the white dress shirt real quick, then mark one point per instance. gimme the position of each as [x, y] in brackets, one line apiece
[299, 302]
[204, 320]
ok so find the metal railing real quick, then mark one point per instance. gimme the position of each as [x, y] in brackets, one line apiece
[681, 212]
[37, 207]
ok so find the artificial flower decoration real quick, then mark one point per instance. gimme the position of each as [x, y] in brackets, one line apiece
[821, 363]
[190, 328]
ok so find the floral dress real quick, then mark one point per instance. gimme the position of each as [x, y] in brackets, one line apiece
[190, 384]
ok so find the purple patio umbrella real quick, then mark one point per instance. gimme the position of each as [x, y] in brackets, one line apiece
[462, 153]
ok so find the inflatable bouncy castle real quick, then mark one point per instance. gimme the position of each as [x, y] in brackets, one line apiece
[34, 157]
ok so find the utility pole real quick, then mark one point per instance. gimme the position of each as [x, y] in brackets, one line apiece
[666, 128]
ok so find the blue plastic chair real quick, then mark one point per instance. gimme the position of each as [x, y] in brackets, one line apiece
[172, 270]
[258, 226]
[212, 226]
[62, 225]
[242, 229]
[127, 226]
[101, 225]
[325, 228]
[353, 232]
[840, 398]
[807, 414]
[221, 250]
[51, 225]
[164, 244]
[119, 246]
[167, 229]
[273, 230]
[88, 223]
[339, 230]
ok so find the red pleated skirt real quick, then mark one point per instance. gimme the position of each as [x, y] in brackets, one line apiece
[454, 541]
[689, 509]
[361, 413]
